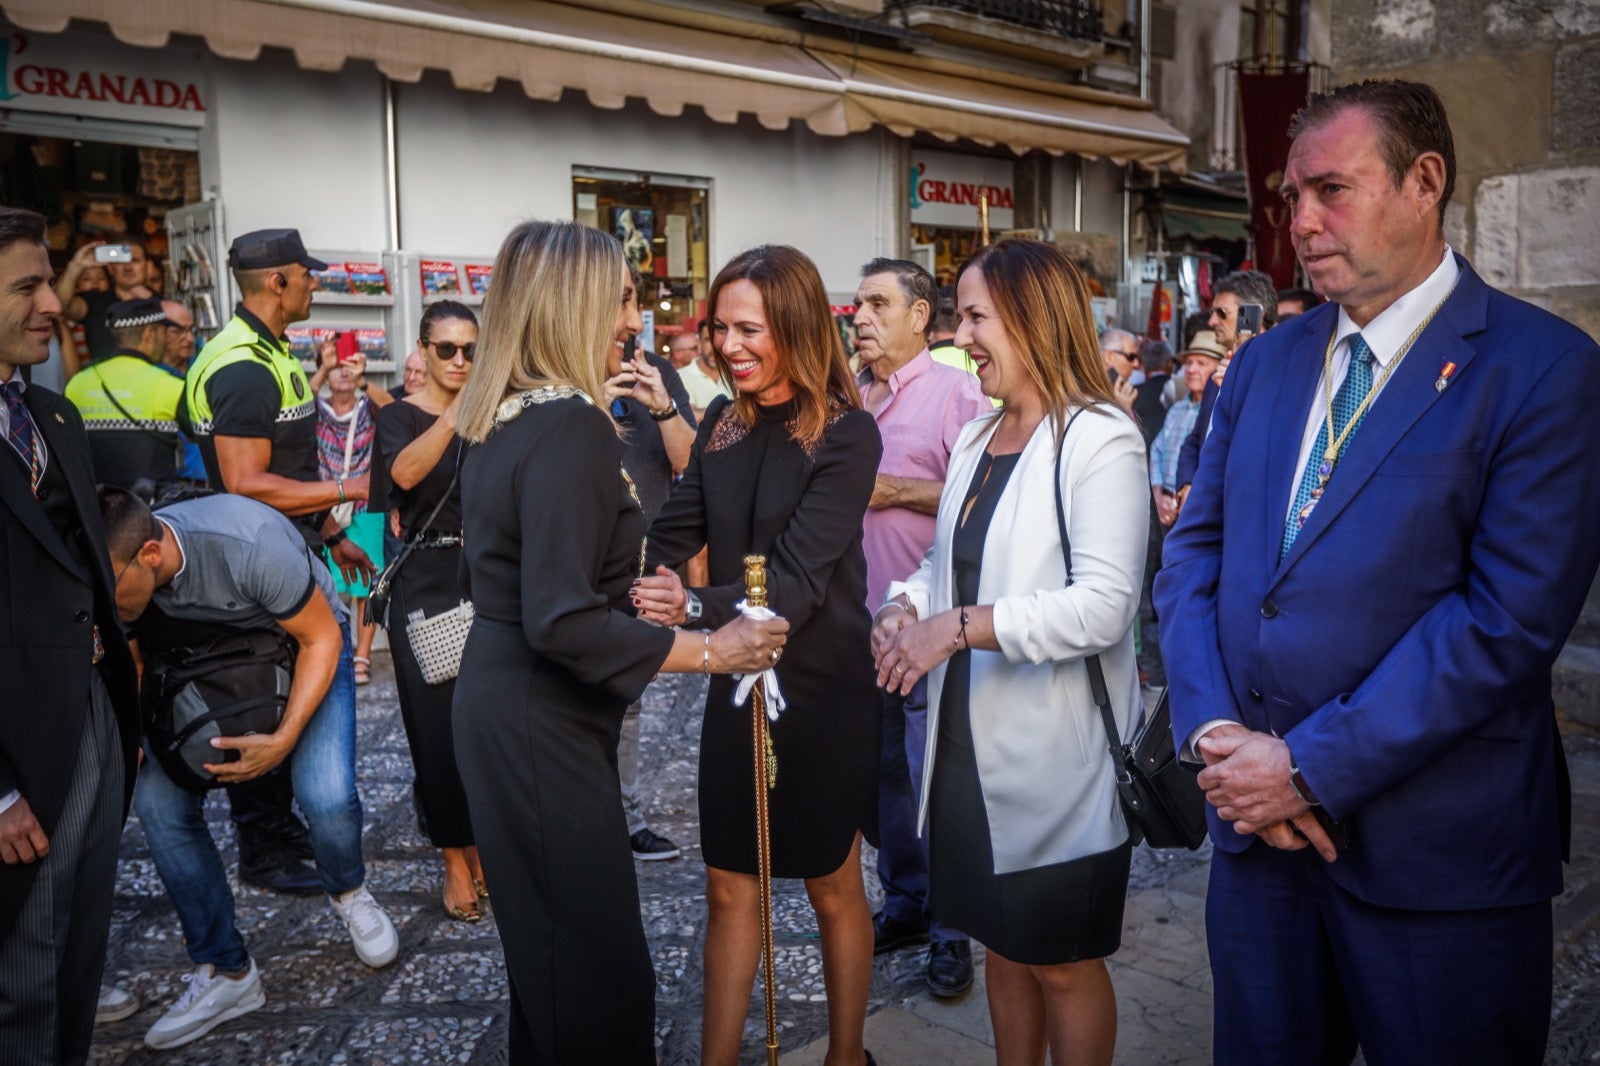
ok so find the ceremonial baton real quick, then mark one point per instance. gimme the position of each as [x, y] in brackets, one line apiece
[766, 778]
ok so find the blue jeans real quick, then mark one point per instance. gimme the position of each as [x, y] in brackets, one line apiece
[323, 769]
[902, 854]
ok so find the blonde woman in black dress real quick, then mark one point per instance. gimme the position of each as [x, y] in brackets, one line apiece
[784, 470]
[417, 456]
[553, 539]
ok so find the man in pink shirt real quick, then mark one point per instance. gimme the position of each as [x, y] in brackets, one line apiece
[920, 406]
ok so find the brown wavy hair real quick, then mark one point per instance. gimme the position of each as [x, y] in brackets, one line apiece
[803, 332]
[1043, 303]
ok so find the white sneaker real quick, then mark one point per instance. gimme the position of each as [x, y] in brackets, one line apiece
[210, 1000]
[371, 930]
[114, 1005]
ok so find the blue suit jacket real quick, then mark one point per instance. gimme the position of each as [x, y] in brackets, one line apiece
[1403, 646]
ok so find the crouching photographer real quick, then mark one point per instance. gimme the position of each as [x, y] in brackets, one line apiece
[212, 585]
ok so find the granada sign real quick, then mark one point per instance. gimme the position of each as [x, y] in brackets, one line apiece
[76, 74]
[946, 188]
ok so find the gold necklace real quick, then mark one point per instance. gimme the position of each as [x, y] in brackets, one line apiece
[1336, 442]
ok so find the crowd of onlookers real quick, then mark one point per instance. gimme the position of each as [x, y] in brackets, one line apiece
[912, 576]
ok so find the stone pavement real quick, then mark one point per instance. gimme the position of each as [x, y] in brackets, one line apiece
[444, 999]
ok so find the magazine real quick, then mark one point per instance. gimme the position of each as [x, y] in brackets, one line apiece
[374, 344]
[440, 278]
[478, 275]
[335, 279]
[368, 279]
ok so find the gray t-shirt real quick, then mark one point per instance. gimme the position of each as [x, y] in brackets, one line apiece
[244, 565]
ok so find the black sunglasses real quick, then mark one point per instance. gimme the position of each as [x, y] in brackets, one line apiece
[446, 350]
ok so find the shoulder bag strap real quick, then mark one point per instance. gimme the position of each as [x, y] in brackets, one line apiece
[1097, 675]
[140, 424]
[411, 543]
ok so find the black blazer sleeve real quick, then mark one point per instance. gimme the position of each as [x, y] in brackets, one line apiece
[569, 493]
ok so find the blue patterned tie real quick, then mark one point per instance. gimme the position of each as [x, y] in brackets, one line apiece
[1357, 383]
[21, 435]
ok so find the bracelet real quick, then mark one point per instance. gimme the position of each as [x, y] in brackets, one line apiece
[339, 484]
[670, 411]
[335, 539]
[896, 604]
[705, 662]
[960, 638]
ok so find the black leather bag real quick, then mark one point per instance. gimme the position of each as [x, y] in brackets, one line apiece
[1160, 797]
[236, 684]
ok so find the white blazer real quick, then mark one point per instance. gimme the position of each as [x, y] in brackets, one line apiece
[1049, 788]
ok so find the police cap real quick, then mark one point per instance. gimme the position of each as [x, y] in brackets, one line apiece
[131, 314]
[264, 248]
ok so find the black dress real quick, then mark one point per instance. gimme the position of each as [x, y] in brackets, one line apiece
[428, 581]
[553, 542]
[756, 490]
[1048, 915]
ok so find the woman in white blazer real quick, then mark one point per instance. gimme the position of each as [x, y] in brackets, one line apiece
[1028, 851]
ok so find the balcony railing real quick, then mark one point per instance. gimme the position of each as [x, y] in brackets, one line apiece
[1081, 20]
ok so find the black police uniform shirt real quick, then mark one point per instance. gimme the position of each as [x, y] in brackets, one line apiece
[245, 402]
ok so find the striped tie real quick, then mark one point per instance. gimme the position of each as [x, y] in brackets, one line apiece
[1357, 383]
[21, 434]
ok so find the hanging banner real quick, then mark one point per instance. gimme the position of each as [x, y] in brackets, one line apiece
[1267, 101]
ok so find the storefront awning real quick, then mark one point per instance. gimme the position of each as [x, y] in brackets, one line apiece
[549, 48]
[1204, 217]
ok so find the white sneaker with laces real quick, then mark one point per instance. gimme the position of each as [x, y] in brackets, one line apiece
[211, 999]
[371, 931]
[114, 1005]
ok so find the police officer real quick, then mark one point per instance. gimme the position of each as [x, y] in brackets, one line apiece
[247, 403]
[128, 402]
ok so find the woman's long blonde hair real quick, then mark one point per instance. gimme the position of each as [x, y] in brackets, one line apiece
[549, 318]
[1042, 300]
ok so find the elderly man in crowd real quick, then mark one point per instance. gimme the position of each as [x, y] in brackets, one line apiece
[920, 406]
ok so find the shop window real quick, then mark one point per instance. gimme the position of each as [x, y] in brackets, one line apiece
[663, 224]
[99, 191]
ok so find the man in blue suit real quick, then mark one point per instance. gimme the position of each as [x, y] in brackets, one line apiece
[1360, 611]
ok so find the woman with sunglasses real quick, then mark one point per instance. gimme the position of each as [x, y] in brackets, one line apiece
[418, 453]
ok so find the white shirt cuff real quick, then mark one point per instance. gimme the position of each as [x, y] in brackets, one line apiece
[1190, 753]
[8, 800]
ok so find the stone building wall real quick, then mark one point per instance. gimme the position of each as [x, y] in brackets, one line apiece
[1521, 79]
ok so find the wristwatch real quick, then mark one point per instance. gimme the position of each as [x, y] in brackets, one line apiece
[692, 606]
[670, 412]
[1297, 782]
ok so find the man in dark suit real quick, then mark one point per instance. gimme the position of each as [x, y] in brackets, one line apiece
[69, 725]
[1360, 611]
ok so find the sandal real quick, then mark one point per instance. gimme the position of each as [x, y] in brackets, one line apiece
[363, 667]
[464, 914]
[479, 887]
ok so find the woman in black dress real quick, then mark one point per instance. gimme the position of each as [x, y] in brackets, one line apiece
[553, 538]
[417, 456]
[1028, 850]
[784, 470]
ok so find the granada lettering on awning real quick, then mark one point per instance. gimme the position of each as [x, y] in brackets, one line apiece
[77, 74]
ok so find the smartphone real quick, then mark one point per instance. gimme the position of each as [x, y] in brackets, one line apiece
[347, 346]
[113, 253]
[1112, 372]
[1249, 320]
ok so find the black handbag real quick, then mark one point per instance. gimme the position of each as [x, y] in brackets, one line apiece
[233, 685]
[1160, 797]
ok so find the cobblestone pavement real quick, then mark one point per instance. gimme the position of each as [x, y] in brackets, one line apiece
[444, 999]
